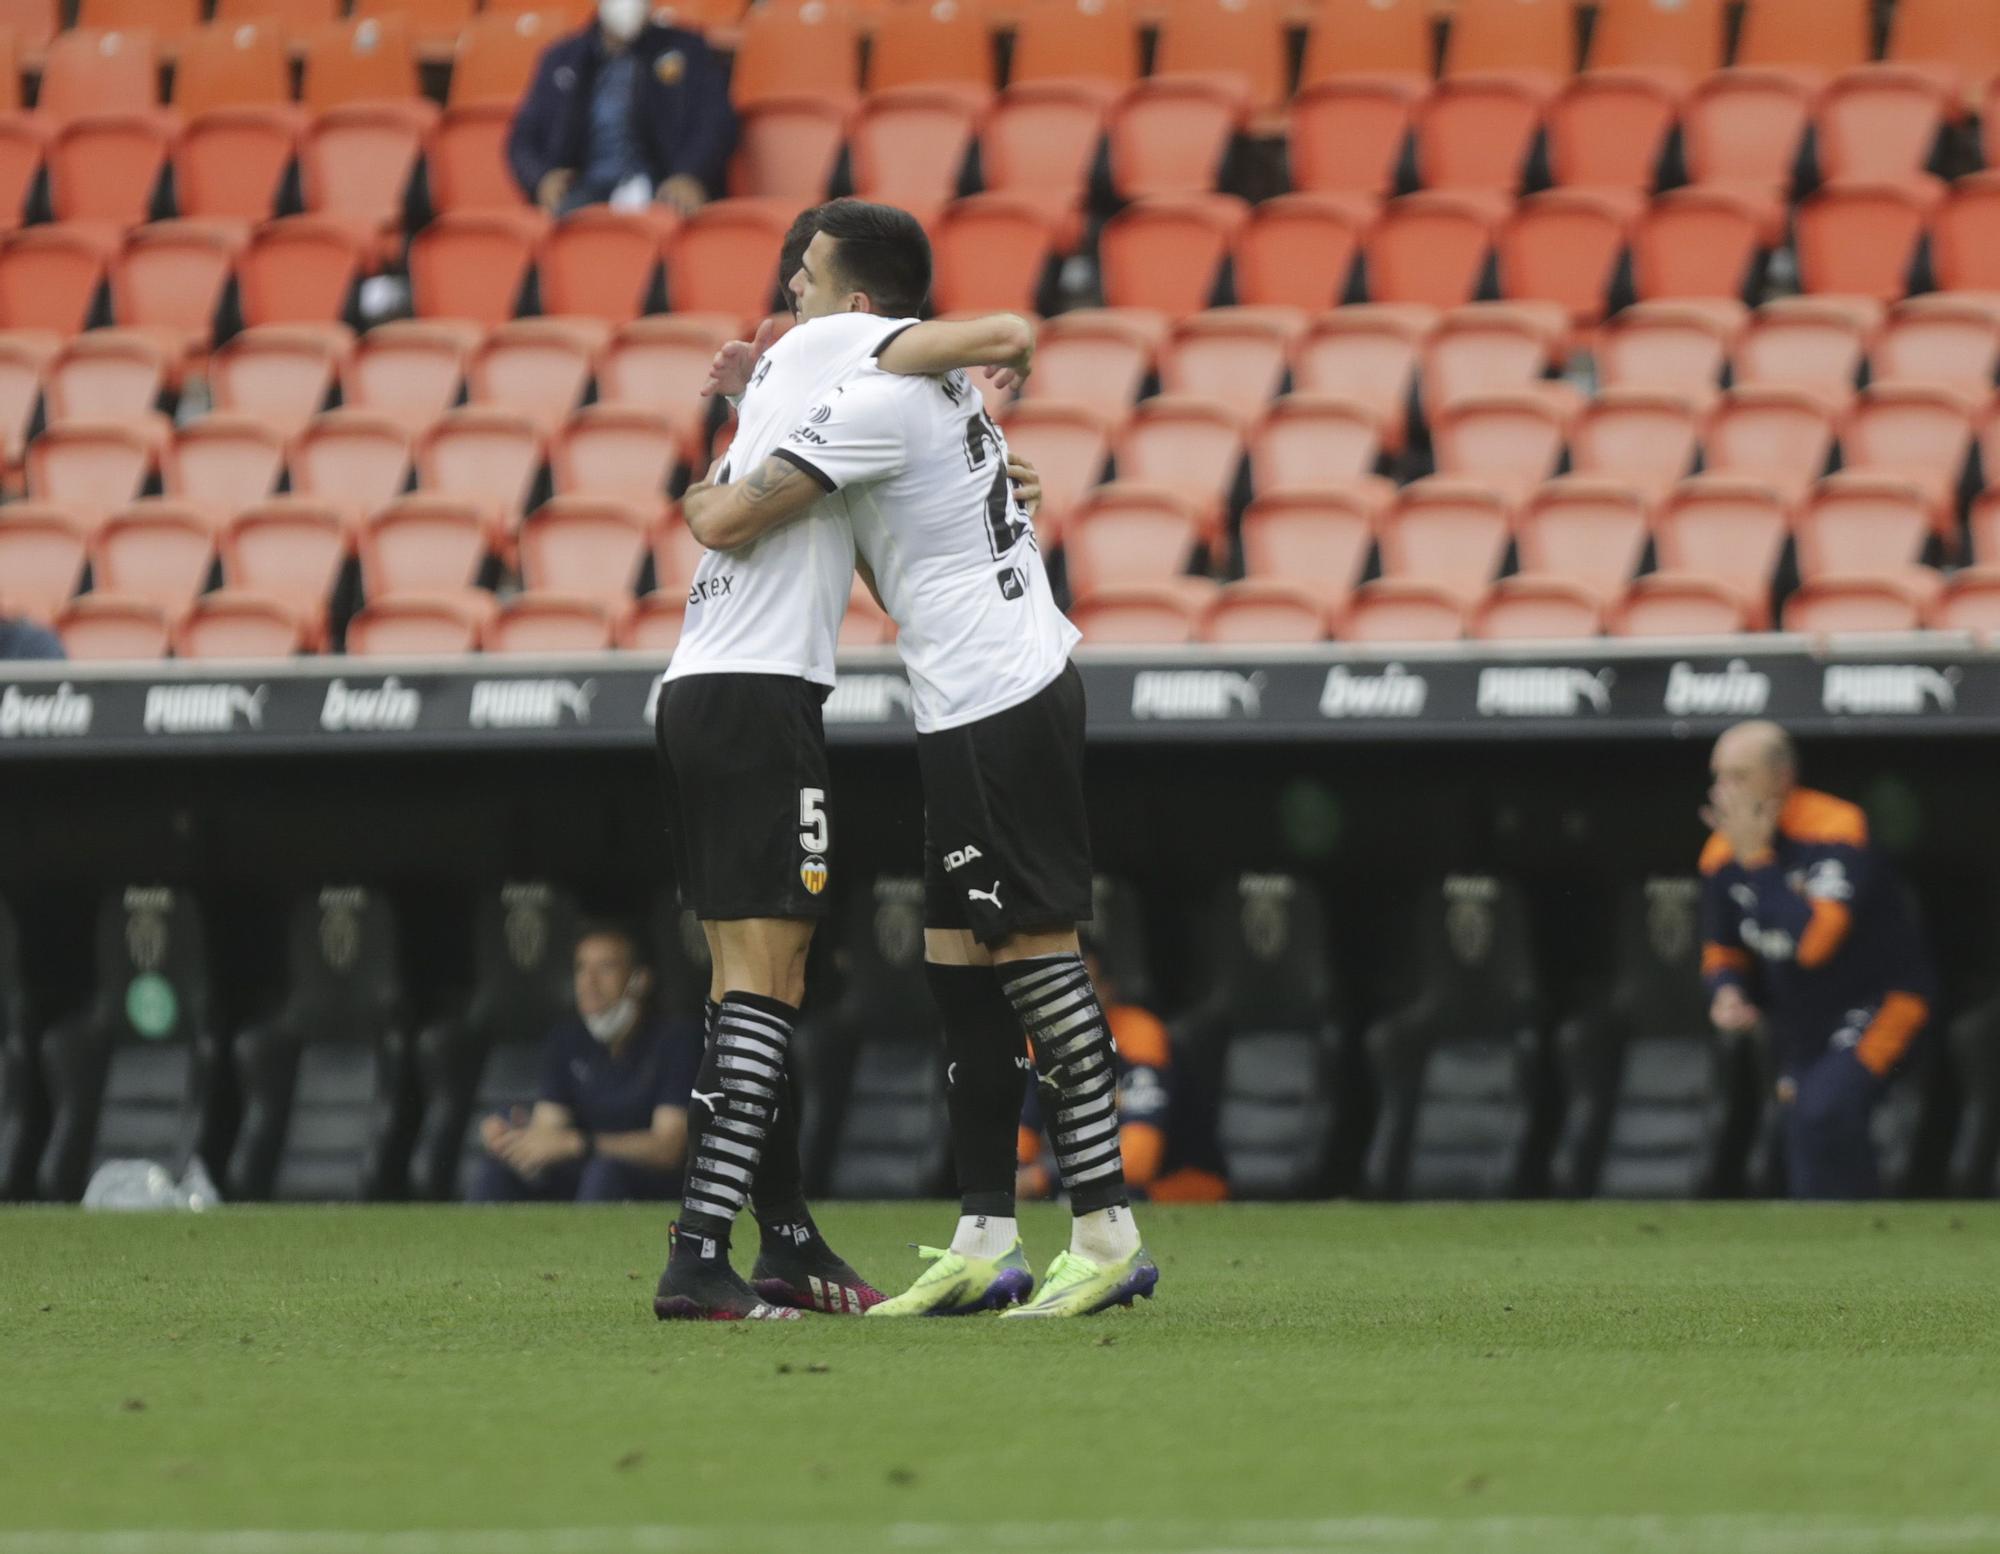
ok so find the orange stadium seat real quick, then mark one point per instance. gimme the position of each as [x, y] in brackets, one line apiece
[1474, 136]
[1314, 442]
[1488, 347]
[787, 148]
[351, 461]
[1129, 533]
[1879, 122]
[433, 23]
[1349, 136]
[106, 168]
[654, 626]
[1695, 243]
[1428, 248]
[1836, 605]
[1808, 343]
[1389, 41]
[1860, 239]
[1646, 438]
[724, 258]
[1367, 354]
[223, 463]
[1677, 347]
[369, 59]
[289, 550]
[23, 144]
[676, 556]
[1589, 532]
[1920, 432]
[1172, 134]
[1256, 610]
[50, 277]
[169, 279]
[1957, 42]
[587, 546]
[415, 626]
[943, 44]
[407, 368]
[618, 451]
[1298, 250]
[1390, 610]
[91, 468]
[105, 375]
[34, 23]
[1089, 43]
[466, 159]
[664, 362]
[793, 48]
[298, 270]
[278, 373]
[1233, 355]
[1241, 41]
[1529, 41]
[1193, 446]
[1068, 445]
[356, 164]
[473, 265]
[294, 18]
[422, 544]
[1983, 524]
[1448, 533]
[1562, 246]
[87, 70]
[1166, 253]
[1676, 42]
[1940, 339]
[601, 263]
[240, 65]
[100, 628]
[1136, 615]
[1312, 539]
[1510, 441]
[157, 552]
[24, 357]
[1857, 522]
[42, 554]
[1725, 528]
[484, 456]
[1970, 602]
[537, 367]
[1743, 129]
[1609, 131]
[1815, 37]
[988, 252]
[1523, 609]
[1965, 235]
[497, 54]
[1095, 357]
[234, 623]
[908, 147]
[535, 622]
[1778, 434]
[230, 163]
[1667, 604]
[1039, 142]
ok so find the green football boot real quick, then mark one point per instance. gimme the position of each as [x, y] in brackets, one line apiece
[959, 1286]
[1077, 1287]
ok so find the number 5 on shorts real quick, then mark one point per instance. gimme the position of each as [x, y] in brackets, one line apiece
[812, 820]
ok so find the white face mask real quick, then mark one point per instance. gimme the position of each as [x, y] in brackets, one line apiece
[623, 19]
[612, 1024]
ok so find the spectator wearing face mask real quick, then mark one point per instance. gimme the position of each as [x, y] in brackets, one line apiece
[624, 112]
[609, 1123]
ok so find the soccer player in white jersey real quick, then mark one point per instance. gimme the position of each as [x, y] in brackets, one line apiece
[743, 761]
[919, 472]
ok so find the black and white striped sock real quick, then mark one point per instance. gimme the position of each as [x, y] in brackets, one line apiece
[738, 1089]
[1078, 1074]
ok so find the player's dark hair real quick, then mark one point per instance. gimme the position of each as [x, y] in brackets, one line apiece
[792, 253]
[882, 253]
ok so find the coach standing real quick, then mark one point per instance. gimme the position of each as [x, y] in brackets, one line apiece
[1806, 930]
[625, 104]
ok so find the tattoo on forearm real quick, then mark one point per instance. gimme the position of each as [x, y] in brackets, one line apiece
[768, 479]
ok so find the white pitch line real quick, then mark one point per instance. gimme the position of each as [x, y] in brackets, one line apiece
[1762, 1534]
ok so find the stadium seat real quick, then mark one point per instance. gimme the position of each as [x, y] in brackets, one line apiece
[1727, 529]
[434, 25]
[50, 277]
[288, 550]
[1474, 136]
[295, 18]
[1696, 243]
[1136, 615]
[1389, 41]
[1039, 144]
[279, 374]
[1446, 533]
[34, 23]
[1645, 438]
[23, 145]
[298, 270]
[369, 59]
[1590, 532]
[1508, 441]
[654, 626]
[105, 168]
[788, 148]
[1193, 446]
[24, 357]
[1068, 445]
[105, 375]
[585, 546]
[1879, 122]
[1172, 135]
[1298, 250]
[1780, 436]
[1807, 343]
[616, 451]
[496, 57]
[1488, 348]
[1534, 609]
[1428, 248]
[796, 47]
[419, 625]
[908, 147]
[354, 461]
[551, 623]
[724, 258]
[1263, 1047]
[1965, 234]
[601, 263]
[538, 367]
[1983, 523]
[1166, 253]
[1128, 533]
[1675, 44]
[1669, 604]
[239, 65]
[136, 1072]
[1678, 347]
[1814, 38]
[169, 280]
[1659, 1104]
[410, 368]
[663, 362]
[168, 20]
[102, 628]
[1392, 611]
[86, 69]
[1918, 433]
[1955, 42]
[1241, 42]
[1317, 540]
[1859, 239]
[355, 166]
[91, 468]
[423, 544]
[485, 456]
[1562, 246]
[676, 556]
[1235, 356]
[1608, 131]
[1081, 43]
[1350, 136]
[1744, 130]
[42, 555]
[328, 1102]
[1315, 443]
[1368, 354]
[1460, 1065]
[1835, 606]
[465, 160]
[989, 253]
[473, 265]
[1096, 358]
[222, 463]
[1257, 611]
[945, 45]
[1531, 42]
[232, 624]
[159, 553]
[1970, 602]
[1857, 523]
[1939, 339]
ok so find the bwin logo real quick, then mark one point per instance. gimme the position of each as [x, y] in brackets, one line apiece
[1885, 689]
[1738, 692]
[388, 707]
[1394, 693]
[1197, 695]
[530, 703]
[63, 713]
[1543, 692]
[959, 859]
[202, 709]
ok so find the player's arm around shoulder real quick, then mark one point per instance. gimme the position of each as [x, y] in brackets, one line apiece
[998, 340]
[728, 517]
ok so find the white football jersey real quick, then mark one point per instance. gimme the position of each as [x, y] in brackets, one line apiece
[775, 606]
[923, 473]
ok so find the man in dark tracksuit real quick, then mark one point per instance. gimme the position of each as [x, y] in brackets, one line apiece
[1801, 915]
[24, 639]
[624, 99]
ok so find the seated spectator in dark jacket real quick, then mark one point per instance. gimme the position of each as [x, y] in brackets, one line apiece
[628, 108]
[610, 1121]
[24, 639]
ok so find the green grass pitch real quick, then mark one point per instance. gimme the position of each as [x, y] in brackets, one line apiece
[1766, 1379]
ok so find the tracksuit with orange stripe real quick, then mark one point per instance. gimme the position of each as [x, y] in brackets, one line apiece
[1816, 932]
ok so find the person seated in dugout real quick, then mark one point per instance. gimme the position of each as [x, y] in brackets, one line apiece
[609, 1122]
